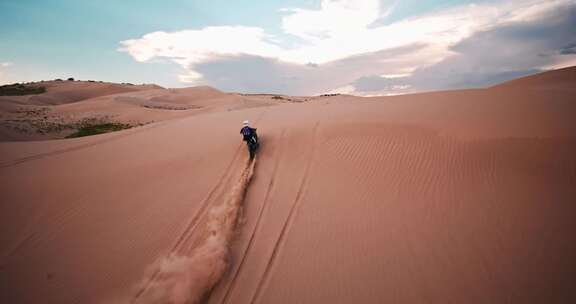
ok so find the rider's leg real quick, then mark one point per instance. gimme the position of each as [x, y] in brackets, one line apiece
[251, 150]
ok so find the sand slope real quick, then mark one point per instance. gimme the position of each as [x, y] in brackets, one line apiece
[448, 197]
[62, 92]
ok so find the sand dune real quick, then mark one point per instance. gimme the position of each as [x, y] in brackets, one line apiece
[557, 79]
[68, 105]
[62, 92]
[447, 197]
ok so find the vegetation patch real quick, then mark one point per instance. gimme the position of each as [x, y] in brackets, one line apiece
[19, 89]
[289, 99]
[35, 121]
[170, 107]
[330, 95]
[101, 128]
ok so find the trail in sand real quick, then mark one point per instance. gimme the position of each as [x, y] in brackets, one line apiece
[187, 278]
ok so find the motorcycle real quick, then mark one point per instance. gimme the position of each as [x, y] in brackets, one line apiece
[253, 145]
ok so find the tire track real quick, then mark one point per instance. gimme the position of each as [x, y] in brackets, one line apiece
[197, 217]
[263, 207]
[227, 176]
[188, 278]
[287, 223]
[193, 222]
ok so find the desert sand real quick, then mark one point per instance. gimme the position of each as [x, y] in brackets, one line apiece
[54, 114]
[446, 197]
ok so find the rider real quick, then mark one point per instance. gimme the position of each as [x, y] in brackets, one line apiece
[248, 133]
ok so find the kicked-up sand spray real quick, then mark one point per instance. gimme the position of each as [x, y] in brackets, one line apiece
[187, 279]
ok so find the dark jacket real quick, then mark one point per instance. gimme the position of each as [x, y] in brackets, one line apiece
[248, 133]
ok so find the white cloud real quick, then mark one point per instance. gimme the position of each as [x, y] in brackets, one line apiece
[195, 46]
[334, 18]
[333, 35]
[347, 89]
[494, 55]
[395, 75]
[3, 77]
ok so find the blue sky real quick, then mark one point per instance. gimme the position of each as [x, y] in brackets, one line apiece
[366, 47]
[60, 38]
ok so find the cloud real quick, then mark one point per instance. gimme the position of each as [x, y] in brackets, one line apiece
[256, 74]
[196, 46]
[568, 49]
[343, 44]
[3, 77]
[506, 52]
[377, 83]
[353, 16]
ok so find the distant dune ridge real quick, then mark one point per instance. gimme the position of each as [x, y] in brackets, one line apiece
[445, 197]
[56, 113]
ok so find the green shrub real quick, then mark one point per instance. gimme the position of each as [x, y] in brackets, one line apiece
[19, 89]
[101, 128]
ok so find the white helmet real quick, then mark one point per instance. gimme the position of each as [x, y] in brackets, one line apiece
[246, 122]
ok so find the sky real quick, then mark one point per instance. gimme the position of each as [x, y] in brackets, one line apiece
[295, 47]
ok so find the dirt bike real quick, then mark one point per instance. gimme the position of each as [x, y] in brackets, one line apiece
[253, 145]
